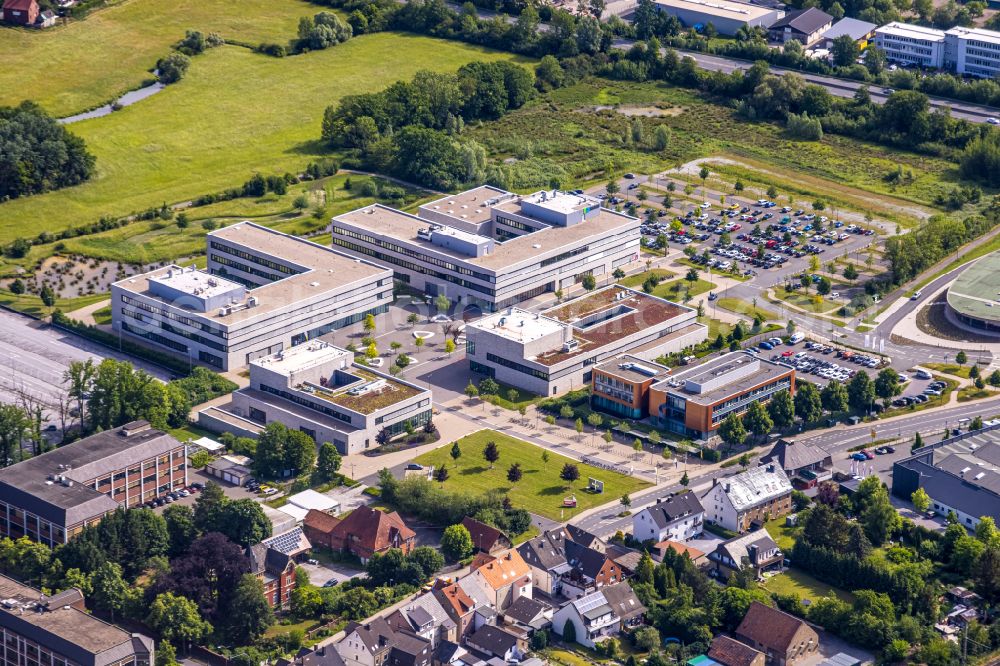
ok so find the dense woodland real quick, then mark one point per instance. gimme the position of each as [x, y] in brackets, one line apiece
[37, 154]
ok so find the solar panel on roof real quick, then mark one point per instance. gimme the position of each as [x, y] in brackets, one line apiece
[590, 602]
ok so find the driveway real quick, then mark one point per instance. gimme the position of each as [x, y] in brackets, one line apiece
[320, 574]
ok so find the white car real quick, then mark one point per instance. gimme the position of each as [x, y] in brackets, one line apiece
[923, 374]
[705, 206]
[915, 296]
[993, 121]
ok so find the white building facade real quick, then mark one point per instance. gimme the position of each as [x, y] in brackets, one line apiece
[911, 44]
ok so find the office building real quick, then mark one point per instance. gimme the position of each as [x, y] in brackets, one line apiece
[556, 351]
[726, 16]
[960, 474]
[621, 386]
[264, 291]
[911, 44]
[57, 630]
[318, 389]
[50, 498]
[490, 249]
[973, 52]
[695, 401]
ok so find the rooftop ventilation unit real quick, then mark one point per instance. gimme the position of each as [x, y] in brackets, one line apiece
[370, 387]
[570, 345]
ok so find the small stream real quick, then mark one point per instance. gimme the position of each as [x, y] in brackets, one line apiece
[127, 99]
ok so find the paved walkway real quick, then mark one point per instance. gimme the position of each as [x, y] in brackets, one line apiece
[86, 313]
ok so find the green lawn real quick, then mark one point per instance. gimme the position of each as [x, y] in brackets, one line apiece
[103, 316]
[540, 489]
[804, 586]
[969, 393]
[674, 290]
[81, 65]
[805, 301]
[783, 535]
[739, 306]
[32, 305]
[213, 130]
[950, 369]
[635, 281]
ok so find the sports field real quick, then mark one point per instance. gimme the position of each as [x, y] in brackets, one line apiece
[86, 63]
[235, 113]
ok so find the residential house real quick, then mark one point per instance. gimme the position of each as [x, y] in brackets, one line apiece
[531, 614]
[805, 25]
[730, 652]
[660, 551]
[459, 606]
[322, 655]
[627, 559]
[756, 550]
[426, 617]
[504, 577]
[749, 499]
[589, 570]
[585, 538]
[497, 642]
[486, 538]
[784, 639]
[596, 616]
[363, 532]
[378, 644]
[20, 12]
[805, 464]
[677, 518]
[546, 555]
[273, 562]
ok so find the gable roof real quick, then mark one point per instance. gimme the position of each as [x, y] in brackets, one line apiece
[292, 542]
[493, 639]
[546, 551]
[525, 610]
[591, 606]
[789, 454]
[375, 530]
[806, 21]
[585, 538]
[623, 601]
[740, 547]
[674, 508]
[680, 549]
[321, 521]
[485, 537]
[587, 561]
[454, 597]
[376, 636]
[730, 652]
[755, 486]
[772, 628]
[501, 570]
[18, 5]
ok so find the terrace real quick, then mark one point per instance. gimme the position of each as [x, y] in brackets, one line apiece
[362, 391]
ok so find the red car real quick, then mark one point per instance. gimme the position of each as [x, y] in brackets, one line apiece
[869, 455]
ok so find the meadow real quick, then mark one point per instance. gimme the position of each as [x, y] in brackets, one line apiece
[87, 63]
[234, 114]
[540, 489]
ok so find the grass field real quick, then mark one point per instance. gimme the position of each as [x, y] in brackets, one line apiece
[804, 586]
[32, 305]
[805, 301]
[86, 63]
[540, 490]
[950, 369]
[208, 132]
[969, 393]
[739, 306]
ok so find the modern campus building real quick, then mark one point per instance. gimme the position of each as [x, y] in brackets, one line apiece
[57, 630]
[727, 16]
[695, 401]
[972, 297]
[973, 51]
[621, 386]
[264, 291]
[556, 351]
[960, 474]
[911, 44]
[50, 498]
[317, 388]
[491, 249]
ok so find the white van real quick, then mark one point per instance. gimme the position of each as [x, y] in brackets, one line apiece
[796, 338]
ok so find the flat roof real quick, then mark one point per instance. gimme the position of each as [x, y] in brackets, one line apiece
[562, 202]
[473, 204]
[84, 633]
[911, 31]
[976, 291]
[302, 357]
[518, 325]
[674, 384]
[625, 312]
[401, 226]
[189, 281]
[392, 391]
[324, 270]
[854, 28]
[980, 34]
[632, 369]
[723, 8]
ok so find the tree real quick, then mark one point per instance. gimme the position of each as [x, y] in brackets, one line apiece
[961, 358]
[918, 442]
[781, 409]
[570, 472]
[244, 522]
[282, 451]
[449, 346]
[488, 386]
[921, 500]
[456, 543]
[248, 614]
[471, 392]
[441, 473]
[208, 507]
[625, 501]
[109, 588]
[456, 451]
[589, 282]
[180, 527]
[757, 421]
[995, 378]
[176, 619]
[845, 51]
[887, 384]
[578, 426]
[328, 462]
[491, 453]
[442, 303]
[808, 405]
[732, 431]
[834, 397]
[166, 655]
[860, 391]
[514, 473]
[369, 324]
[172, 68]
[850, 272]
[684, 479]
[976, 423]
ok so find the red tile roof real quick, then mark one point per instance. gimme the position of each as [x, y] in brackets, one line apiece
[22, 5]
[321, 521]
[485, 537]
[773, 628]
[730, 652]
[373, 529]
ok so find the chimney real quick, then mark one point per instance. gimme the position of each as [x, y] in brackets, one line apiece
[728, 486]
[770, 469]
[715, 482]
